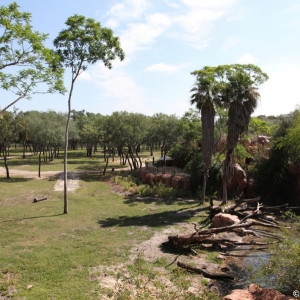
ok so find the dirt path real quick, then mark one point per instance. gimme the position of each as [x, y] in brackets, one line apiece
[73, 177]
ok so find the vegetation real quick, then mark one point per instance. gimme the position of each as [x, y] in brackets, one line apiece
[83, 43]
[39, 260]
[25, 63]
[234, 87]
[282, 270]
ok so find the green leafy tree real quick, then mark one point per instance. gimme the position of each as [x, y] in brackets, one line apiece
[84, 42]
[258, 126]
[291, 140]
[25, 63]
[8, 134]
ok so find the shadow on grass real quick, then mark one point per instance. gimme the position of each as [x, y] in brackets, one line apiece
[29, 218]
[134, 199]
[151, 220]
[15, 179]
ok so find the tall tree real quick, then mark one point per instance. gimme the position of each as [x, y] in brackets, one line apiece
[241, 94]
[206, 96]
[235, 84]
[84, 42]
[25, 63]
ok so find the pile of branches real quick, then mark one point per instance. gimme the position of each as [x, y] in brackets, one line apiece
[255, 219]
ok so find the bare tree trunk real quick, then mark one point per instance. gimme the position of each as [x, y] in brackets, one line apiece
[40, 165]
[5, 164]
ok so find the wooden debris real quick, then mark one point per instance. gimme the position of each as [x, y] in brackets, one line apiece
[219, 276]
[40, 199]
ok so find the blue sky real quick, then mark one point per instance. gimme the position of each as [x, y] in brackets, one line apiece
[165, 40]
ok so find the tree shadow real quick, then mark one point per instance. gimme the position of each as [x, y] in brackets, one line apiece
[134, 199]
[152, 220]
[29, 218]
[15, 179]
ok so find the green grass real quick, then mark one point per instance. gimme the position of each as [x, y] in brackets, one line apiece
[77, 161]
[54, 252]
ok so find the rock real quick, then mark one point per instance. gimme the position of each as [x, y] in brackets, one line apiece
[239, 295]
[254, 292]
[142, 175]
[261, 139]
[167, 180]
[238, 182]
[177, 182]
[158, 178]
[150, 179]
[222, 220]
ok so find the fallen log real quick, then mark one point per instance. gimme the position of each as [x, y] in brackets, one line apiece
[40, 199]
[200, 236]
[219, 276]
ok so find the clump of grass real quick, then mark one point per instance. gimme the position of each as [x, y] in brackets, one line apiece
[130, 182]
[212, 256]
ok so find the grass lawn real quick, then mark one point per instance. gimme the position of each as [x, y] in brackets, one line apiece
[77, 161]
[45, 254]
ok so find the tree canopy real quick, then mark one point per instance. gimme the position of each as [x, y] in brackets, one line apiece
[22, 48]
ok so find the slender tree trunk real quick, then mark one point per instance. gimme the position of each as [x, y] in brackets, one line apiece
[24, 156]
[136, 153]
[66, 151]
[204, 185]
[40, 162]
[5, 164]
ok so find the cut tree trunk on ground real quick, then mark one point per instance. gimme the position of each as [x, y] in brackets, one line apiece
[219, 276]
[40, 199]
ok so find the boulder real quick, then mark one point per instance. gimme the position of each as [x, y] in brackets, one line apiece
[222, 220]
[158, 178]
[239, 295]
[150, 179]
[167, 180]
[238, 182]
[254, 292]
[142, 175]
[177, 182]
[262, 139]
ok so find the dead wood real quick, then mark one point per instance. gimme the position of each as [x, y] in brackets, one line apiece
[219, 276]
[40, 199]
[203, 235]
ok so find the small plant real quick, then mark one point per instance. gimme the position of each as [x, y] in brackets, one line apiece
[212, 256]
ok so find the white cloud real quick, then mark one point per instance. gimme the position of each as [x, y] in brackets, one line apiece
[214, 4]
[162, 67]
[231, 42]
[280, 94]
[197, 23]
[127, 10]
[139, 35]
[247, 59]
[119, 88]
[172, 4]
[85, 76]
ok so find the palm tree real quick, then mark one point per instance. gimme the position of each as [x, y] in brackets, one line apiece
[242, 96]
[205, 96]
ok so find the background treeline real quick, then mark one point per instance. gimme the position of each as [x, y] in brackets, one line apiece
[123, 135]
